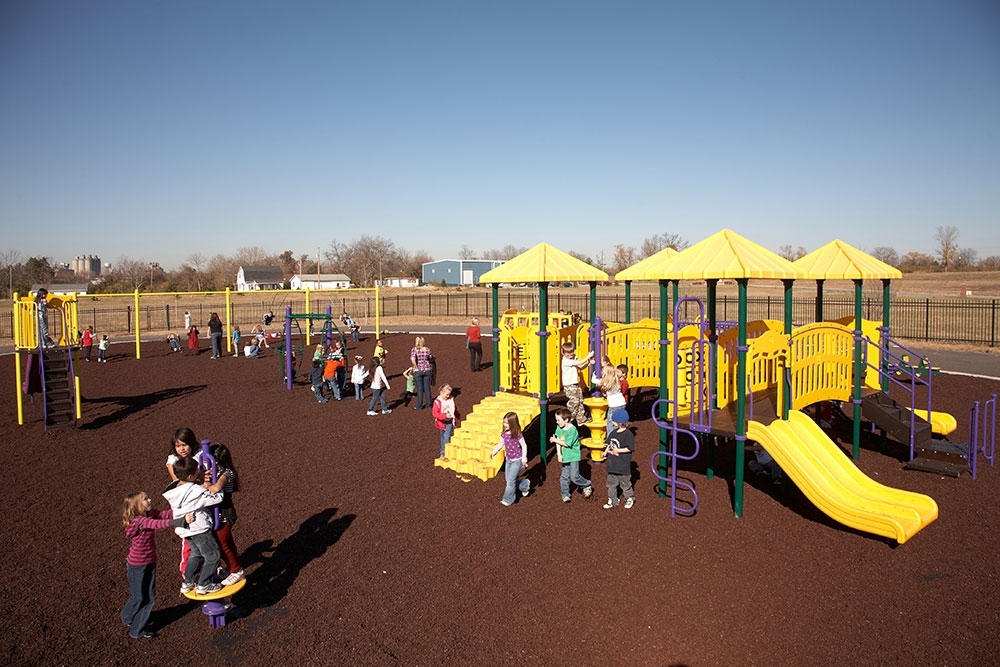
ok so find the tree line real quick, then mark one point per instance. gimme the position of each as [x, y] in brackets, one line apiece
[372, 258]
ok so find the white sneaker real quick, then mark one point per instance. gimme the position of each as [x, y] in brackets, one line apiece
[371, 413]
[609, 505]
[588, 492]
[233, 578]
[186, 587]
[629, 502]
[505, 503]
[385, 412]
[208, 588]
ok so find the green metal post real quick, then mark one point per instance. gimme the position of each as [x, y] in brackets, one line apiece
[819, 300]
[858, 367]
[496, 337]
[661, 488]
[628, 302]
[787, 403]
[741, 400]
[543, 353]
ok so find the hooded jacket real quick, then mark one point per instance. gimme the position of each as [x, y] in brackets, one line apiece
[191, 497]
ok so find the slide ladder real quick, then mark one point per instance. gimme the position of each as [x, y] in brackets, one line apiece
[831, 481]
[477, 434]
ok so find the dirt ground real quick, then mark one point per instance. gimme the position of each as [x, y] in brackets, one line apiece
[359, 551]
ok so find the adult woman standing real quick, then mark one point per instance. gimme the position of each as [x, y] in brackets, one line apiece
[420, 357]
[473, 342]
[215, 332]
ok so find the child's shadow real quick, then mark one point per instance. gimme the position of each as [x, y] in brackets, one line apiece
[280, 566]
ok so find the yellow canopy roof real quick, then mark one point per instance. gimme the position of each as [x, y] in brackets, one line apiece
[636, 271]
[543, 264]
[841, 261]
[723, 255]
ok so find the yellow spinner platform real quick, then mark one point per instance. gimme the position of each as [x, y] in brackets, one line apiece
[468, 453]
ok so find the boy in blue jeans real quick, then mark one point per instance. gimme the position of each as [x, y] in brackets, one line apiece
[190, 497]
[567, 441]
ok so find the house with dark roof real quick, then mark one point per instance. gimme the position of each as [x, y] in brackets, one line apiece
[252, 278]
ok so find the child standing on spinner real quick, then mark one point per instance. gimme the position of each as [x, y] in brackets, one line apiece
[380, 385]
[140, 520]
[571, 381]
[620, 443]
[227, 482]
[102, 348]
[443, 410]
[516, 454]
[358, 376]
[190, 497]
[567, 442]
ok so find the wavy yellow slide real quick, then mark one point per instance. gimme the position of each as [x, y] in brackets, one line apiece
[832, 482]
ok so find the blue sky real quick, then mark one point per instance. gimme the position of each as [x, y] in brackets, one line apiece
[154, 129]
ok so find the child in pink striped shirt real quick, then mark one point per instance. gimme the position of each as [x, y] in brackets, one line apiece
[140, 520]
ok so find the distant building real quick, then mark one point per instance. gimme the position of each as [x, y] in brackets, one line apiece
[322, 281]
[399, 282]
[252, 278]
[86, 266]
[62, 289]
[458, 271]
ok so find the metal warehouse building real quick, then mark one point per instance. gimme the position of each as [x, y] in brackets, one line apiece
[457, 271]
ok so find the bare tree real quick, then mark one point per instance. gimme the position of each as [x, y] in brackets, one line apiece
[991, 263]
[947, 240]
[251, 256]
[657, 242]
[791, 254]
[337, 256]
[465, 252]
[885, 254]
[371, 257]
[412, 265]
[965, 258]
[625, 256]
[916, 261]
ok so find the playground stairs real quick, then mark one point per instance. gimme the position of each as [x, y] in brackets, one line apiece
[894, 419]
[938, 456]
[59, 409]
[477, 434]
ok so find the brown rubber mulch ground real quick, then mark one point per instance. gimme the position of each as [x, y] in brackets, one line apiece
[359, 551]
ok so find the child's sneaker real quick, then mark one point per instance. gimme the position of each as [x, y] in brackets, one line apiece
[186, 587]
[566, 499]
[385, 412]
[372, 413]
[505, 503]
[588, 492]
[233, 578]
[610, 504]
[205, 589]
[629, 502]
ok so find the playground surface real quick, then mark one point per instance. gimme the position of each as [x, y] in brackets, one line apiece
[359, 551]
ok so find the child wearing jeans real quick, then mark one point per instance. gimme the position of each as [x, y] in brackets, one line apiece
[102, 348]
[358, 376]
[190, 497]
[620, 443]
[516, 453]
[567, 441]
[571, 381]
[318, 382]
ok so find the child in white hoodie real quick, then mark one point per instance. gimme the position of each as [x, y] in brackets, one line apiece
[188, 496]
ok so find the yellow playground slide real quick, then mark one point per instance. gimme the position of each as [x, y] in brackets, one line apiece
[941, 423]
[831, 481]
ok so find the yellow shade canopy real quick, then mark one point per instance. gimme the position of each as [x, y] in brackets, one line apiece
[543, 264]
[724, 255]
[636, 271]
[841, 261]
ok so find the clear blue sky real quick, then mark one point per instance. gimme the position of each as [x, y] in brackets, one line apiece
[153, 129]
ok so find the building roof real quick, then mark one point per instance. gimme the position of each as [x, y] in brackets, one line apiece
[263, 274]
[323, 277]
